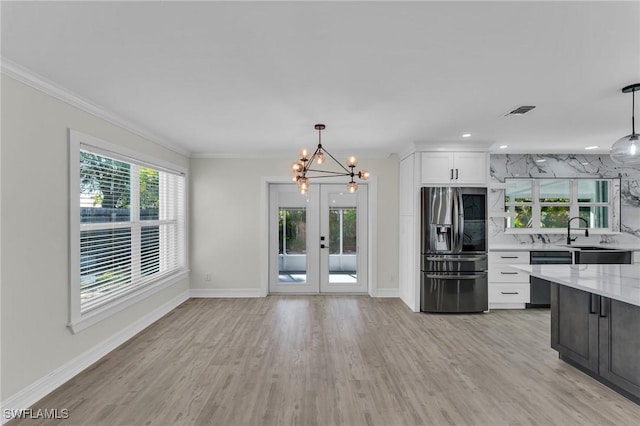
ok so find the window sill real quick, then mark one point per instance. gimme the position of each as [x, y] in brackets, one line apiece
[128, 299]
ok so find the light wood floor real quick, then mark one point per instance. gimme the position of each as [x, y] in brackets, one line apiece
[343, 360]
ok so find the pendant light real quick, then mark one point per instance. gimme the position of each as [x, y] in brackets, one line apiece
[302, 170]
[626, 150]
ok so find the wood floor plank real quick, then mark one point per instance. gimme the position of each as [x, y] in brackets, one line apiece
[336, 360]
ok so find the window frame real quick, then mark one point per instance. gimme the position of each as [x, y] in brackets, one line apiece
[79, 320]
[574, 205]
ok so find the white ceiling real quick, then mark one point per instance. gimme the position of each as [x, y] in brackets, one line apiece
[240, 78]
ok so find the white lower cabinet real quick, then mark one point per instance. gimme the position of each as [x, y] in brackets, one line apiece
[508, 287]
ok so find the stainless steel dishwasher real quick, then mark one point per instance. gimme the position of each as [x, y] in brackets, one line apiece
[540, 296]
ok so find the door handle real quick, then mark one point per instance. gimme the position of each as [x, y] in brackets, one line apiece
[604, 307]
[509, 292]
[593, 309]
[509, 273]
[456, 173]
[451, 174]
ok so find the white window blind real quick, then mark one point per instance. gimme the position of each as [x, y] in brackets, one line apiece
[131, 226]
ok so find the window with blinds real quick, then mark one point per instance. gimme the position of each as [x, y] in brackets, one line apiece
[131, 226]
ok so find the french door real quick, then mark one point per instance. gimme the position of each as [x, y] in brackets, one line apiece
[317, 241]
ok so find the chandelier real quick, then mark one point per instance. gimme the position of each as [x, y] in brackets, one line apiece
[302, 170]
[626, 150]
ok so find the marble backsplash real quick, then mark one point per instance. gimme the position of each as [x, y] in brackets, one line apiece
[626, 219]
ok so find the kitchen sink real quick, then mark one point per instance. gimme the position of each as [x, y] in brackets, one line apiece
[599, 255]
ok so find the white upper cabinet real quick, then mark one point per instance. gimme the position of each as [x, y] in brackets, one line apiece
[454, 168]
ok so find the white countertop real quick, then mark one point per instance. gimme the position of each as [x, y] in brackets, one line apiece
[618, 282]
[554, 247]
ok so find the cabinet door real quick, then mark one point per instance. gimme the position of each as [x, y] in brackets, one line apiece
[470, 168]
[437, 168]
[574, 325]
[620, 345]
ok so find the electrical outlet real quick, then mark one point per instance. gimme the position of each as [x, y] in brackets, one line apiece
[207, 276]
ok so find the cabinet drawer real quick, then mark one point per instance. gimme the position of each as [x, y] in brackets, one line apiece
[506, 274]
[508, 293]
[509, 257]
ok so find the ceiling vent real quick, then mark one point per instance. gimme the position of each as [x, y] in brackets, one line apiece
[521, 110]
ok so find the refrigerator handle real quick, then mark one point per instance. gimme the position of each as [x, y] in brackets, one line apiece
[454, 220]
[458, 220]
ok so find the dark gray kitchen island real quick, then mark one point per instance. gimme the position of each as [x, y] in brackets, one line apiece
[595, 320]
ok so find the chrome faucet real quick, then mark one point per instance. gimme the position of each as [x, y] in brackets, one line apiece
[586, 230]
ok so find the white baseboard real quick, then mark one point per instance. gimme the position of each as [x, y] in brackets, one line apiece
[226, 292]
[387, 292]
[40, 388]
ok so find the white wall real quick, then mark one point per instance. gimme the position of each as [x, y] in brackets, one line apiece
[226, 221]
[35, 236]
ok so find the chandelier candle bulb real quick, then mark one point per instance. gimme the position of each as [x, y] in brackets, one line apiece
[352, 162]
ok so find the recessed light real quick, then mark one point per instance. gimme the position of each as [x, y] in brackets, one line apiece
[466, 135]
[591, 147]
[502, 146]
[542, 160]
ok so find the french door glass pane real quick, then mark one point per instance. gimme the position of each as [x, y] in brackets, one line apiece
[342, 245]
[292, 242]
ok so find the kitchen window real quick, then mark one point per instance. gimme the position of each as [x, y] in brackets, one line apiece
[545, 205]
[128, 227]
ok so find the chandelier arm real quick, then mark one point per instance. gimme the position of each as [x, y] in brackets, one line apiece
[327, 176]
[330, 172]
[339, 163]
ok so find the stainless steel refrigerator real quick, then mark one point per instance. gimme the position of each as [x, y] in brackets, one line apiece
[453, 250]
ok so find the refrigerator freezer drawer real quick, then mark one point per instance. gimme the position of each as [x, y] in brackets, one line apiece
[453, 292]
[454, 263]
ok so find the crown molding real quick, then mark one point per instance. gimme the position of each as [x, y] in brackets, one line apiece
[38, 82]
[289, 155]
